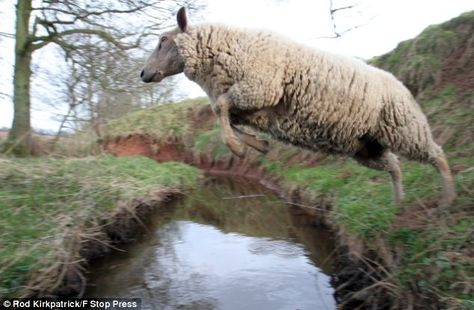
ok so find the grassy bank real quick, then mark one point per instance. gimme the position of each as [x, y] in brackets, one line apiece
[430, 248]
[168, 122]
[50, 209]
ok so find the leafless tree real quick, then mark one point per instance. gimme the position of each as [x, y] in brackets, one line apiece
[103, 86]
[113, 25]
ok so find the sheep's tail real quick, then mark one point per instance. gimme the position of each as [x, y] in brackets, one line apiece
[439, 161]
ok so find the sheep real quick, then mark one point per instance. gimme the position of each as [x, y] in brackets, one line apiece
[302, 96]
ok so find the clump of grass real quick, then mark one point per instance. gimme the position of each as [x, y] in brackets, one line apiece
[210, 142]
[166, 122]
[42, 198]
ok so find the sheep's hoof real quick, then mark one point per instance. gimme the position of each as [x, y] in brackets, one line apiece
[238, 149]
[262, 146]
[398, 197]
[447, 200]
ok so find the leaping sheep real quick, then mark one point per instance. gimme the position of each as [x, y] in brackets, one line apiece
[302, 96]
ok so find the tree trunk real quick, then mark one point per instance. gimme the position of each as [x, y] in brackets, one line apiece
[19, 139]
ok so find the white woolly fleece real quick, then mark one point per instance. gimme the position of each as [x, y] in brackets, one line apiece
[305, 96]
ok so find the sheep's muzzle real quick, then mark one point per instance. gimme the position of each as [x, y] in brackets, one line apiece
[151, 76]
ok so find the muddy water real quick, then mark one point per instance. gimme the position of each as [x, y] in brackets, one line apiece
[230, 244]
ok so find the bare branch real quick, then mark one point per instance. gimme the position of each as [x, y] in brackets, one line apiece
[105, 36]
[2, 94]
[7, 35]
[332, 11]
[333, 20]
[83, 17]
[341, 8]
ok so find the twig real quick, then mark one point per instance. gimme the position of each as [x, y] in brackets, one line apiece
[2, 94]
[7, 35]
[102, 242]
[332, 11]
[361, 292]
[464, 187]
[367, 261]
[304, 206]
[341, 8]
[244, 196]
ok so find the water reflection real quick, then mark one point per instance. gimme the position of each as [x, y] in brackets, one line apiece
[215, 253]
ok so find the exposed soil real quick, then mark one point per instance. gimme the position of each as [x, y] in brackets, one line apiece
[141, 145]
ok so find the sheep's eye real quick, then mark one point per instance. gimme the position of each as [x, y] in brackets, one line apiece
[163, 39]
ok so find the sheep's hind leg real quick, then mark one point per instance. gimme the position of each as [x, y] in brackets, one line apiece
[228, 135]
[387, 162]
[438, 159]
[260, 145]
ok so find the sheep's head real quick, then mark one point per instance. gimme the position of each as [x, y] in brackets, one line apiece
[165, 59]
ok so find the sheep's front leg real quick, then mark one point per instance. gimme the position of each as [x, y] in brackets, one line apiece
[260, 145]
[228, 135]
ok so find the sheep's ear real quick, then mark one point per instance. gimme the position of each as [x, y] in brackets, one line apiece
[182, 19]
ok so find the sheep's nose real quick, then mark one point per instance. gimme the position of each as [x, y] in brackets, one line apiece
[147, 76]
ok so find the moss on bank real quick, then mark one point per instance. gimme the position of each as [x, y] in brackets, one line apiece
[46, 202]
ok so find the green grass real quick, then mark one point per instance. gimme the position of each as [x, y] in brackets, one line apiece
[40, 198]
[436, 258]
[166, 122]
[433, 259]
[451, 116]
[434, 254]
[361, 197]
[210, 142]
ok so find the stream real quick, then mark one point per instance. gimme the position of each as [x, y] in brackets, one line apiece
[229, 244]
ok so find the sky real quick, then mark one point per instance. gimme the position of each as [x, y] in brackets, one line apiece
[380, 26]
